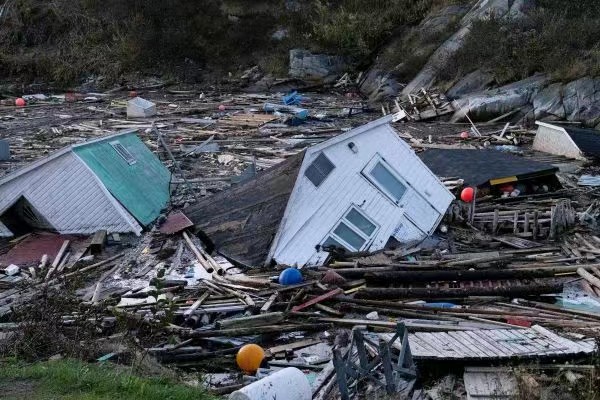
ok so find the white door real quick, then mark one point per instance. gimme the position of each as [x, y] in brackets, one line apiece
[408, 233]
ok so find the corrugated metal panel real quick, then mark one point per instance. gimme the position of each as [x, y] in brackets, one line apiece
[312, 212]
[69, 197]
[142, 187]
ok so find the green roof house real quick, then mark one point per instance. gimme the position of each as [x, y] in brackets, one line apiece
[114, 183]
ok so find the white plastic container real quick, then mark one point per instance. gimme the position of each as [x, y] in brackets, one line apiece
[286, 384]
[140, 108]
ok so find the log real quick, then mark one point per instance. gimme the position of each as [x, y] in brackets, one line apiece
[253, 320]
[592, 280]
[469, 275]
[434, 293]
[255, 330]
[196, 304]
[203, 262]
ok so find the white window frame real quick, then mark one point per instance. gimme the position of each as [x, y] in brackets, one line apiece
[352, 227]
[116, 143]
[366, 172]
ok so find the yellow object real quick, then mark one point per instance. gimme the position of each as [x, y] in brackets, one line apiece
[249, 358]
[503, 180]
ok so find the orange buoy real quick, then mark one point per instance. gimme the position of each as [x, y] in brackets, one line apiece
[249, 358]
[467, 195]
[20, 102]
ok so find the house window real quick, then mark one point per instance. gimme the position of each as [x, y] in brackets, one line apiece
[319, 169]
[352, 232]
[123, 152]
[385, 179]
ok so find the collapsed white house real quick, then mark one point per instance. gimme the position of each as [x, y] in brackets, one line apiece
[355, 191]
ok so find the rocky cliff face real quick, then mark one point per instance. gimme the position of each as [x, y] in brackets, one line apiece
[543, 96]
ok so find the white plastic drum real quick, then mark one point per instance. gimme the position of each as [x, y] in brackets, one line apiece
[286, 384]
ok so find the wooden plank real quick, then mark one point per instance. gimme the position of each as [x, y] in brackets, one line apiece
[292, 346]
[318, 299]
[269, 302]
[98, 241]
[57, 259]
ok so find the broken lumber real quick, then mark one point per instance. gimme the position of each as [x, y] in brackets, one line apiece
[253, 320]
[318, 299]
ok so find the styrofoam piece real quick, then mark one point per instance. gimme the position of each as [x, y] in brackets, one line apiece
[288, 383]
[140, 108]
[12, 269]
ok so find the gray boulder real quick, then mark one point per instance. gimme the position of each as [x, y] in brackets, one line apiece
[306, 65]
[476, 81]
[499, 101]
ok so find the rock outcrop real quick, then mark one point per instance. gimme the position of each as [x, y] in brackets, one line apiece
[538, 98]
[481, 10]
[306, 65]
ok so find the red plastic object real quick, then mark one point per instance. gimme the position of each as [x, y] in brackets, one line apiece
[467, 195]
[20, 102]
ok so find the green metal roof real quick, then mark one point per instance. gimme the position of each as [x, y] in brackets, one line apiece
[131, 173]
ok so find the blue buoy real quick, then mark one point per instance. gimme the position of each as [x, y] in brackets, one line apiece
[290, 276]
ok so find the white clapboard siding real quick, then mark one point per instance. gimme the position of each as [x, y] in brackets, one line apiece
[312, 212]
[69, 196]
[555, 140]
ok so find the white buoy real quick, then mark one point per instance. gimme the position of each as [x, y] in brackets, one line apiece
[288, 383]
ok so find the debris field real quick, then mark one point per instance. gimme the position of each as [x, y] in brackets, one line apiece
[507, 278]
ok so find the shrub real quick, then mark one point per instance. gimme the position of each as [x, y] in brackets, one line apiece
[561, 44]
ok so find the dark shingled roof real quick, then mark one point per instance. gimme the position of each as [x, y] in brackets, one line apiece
[242, 221]
[478, 167]
[588, 140]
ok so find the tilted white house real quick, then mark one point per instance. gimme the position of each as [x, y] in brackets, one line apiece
[354, 191]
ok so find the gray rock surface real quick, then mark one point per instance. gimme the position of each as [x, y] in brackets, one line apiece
[481, 10]
[486, 105]
[378, 86]
[476, 81]
[537, 98]
[306, 65]
[548, 103]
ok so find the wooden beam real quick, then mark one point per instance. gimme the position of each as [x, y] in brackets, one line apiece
[318, 299]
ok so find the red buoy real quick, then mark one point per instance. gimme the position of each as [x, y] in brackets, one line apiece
[20, 102]
[464, 134]
[467, 195]
[222, 107]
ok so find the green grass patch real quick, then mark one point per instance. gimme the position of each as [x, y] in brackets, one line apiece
[71, 379]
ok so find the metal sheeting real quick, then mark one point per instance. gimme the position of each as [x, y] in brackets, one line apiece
[141, 186]
[492, 344]
[69, 197]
